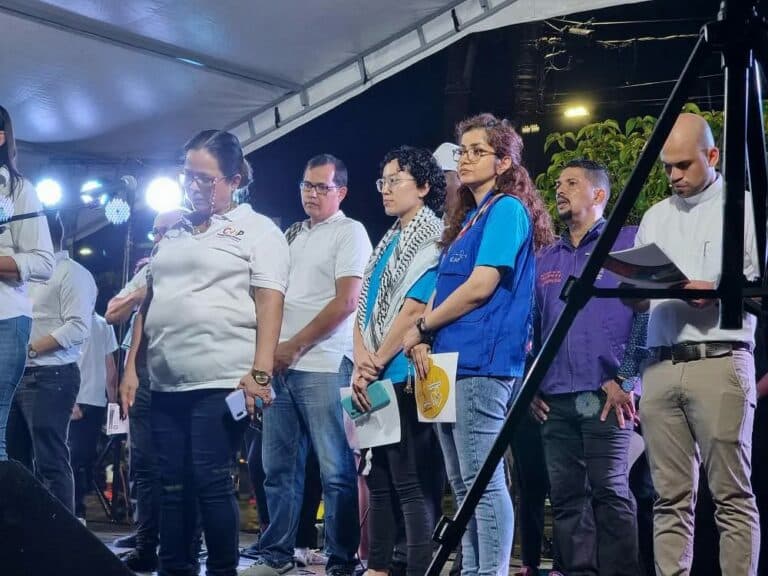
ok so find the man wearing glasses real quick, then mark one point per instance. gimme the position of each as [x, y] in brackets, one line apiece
[329, 252]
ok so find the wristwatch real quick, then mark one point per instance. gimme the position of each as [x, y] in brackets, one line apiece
[31, 352]
[262, 378]
[626, 384]
[427, 336]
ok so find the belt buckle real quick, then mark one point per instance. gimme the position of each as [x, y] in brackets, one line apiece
[687, 352]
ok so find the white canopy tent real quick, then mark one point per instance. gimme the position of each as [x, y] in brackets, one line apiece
[119, 79]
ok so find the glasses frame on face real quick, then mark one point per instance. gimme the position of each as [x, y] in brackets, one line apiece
[204, 182]
[321, 188]
[473, 154]
[390, 182]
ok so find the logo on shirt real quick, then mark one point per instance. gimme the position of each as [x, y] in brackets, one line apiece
[457, 257]
[230, 232]
[550, 277]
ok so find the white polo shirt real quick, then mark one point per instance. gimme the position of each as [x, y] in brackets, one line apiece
[201, 323]
[690, 232]
[93, 363]
[335, 248]
[62, 307]
[28, 242]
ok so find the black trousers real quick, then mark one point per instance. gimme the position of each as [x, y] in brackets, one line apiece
[400, 481]
[84, 437]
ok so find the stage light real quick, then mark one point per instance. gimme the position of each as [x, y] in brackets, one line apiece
[87, 189]
[117, 211]
[151, 236]
[576, 112]
[530, 128]
[85, 251]
[48, 192]
[103, 199]
[163, 194]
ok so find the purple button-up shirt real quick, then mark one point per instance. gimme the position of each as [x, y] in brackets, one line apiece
[595, 345]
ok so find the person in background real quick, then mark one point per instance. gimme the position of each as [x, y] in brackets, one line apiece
[210, 323]
[26, 255]
[98, 384]
[399, 280]
[38, 425]
[328, 254]
[481, 309]
[444, 155]
[143, 461]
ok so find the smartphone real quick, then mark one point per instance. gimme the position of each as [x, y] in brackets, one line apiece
[377, 395]
[236, 402]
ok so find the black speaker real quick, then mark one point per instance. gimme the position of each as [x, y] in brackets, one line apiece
[38, 536]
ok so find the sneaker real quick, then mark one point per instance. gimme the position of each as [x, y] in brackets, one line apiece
[307, 557]
[140, 561]
[127, 541]
[262, 568]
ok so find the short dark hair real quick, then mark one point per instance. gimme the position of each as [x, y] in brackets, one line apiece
[340, 175]
[225, 147]
[596, 173]
[421, 164]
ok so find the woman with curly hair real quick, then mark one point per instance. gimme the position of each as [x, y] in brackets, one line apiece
[482, 309]
[398, 281]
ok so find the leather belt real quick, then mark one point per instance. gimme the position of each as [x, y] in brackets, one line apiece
[689, 351]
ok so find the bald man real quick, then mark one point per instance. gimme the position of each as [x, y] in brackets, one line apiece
[699, 393]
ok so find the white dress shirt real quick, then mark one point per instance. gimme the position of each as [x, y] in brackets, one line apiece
[201, 323]
[93, 362]
[690, 232]
[62, 307]
[28, 242]
[336, 248]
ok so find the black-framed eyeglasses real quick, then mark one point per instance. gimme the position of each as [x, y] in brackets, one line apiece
[390, 182]
[320, 188]
[203, 181]
[473, 154]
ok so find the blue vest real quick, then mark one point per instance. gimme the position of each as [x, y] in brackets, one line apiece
[491, 340]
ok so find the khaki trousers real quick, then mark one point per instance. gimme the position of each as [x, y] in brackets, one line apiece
[702, 411]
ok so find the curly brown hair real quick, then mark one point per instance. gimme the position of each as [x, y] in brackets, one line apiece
[515, 181]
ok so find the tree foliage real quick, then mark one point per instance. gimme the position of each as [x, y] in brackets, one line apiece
[618, 149]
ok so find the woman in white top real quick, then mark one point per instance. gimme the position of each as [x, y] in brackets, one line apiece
[202, 341]
[25, 254]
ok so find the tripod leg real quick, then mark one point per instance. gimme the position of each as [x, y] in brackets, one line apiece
[449, 531]
[758, 173]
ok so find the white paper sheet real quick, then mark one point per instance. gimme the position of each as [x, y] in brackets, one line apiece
[644, 267]
[115, 424]
[379, 428]
[436, 395]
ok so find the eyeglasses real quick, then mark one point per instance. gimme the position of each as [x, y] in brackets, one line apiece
[204, 181]
[473, 154]
[390, 182]
[320, 189]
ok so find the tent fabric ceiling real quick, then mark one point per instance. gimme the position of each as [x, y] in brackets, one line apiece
[132, 79]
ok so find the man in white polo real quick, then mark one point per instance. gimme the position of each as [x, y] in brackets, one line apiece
[328, 256]
[38, 425]
[698, 398]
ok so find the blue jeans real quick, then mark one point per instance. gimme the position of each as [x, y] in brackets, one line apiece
[307, 408]
[481, 405]
[14, 337]
[196, 441]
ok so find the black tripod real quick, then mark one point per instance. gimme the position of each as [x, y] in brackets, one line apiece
[740, 36]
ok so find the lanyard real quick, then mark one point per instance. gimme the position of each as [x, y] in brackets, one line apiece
[482, 210]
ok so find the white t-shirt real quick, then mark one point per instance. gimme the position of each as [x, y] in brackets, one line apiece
[201, 323]
[336, 248]
[690, 232]
[93, 363]
[28, 242]
[62, 307]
